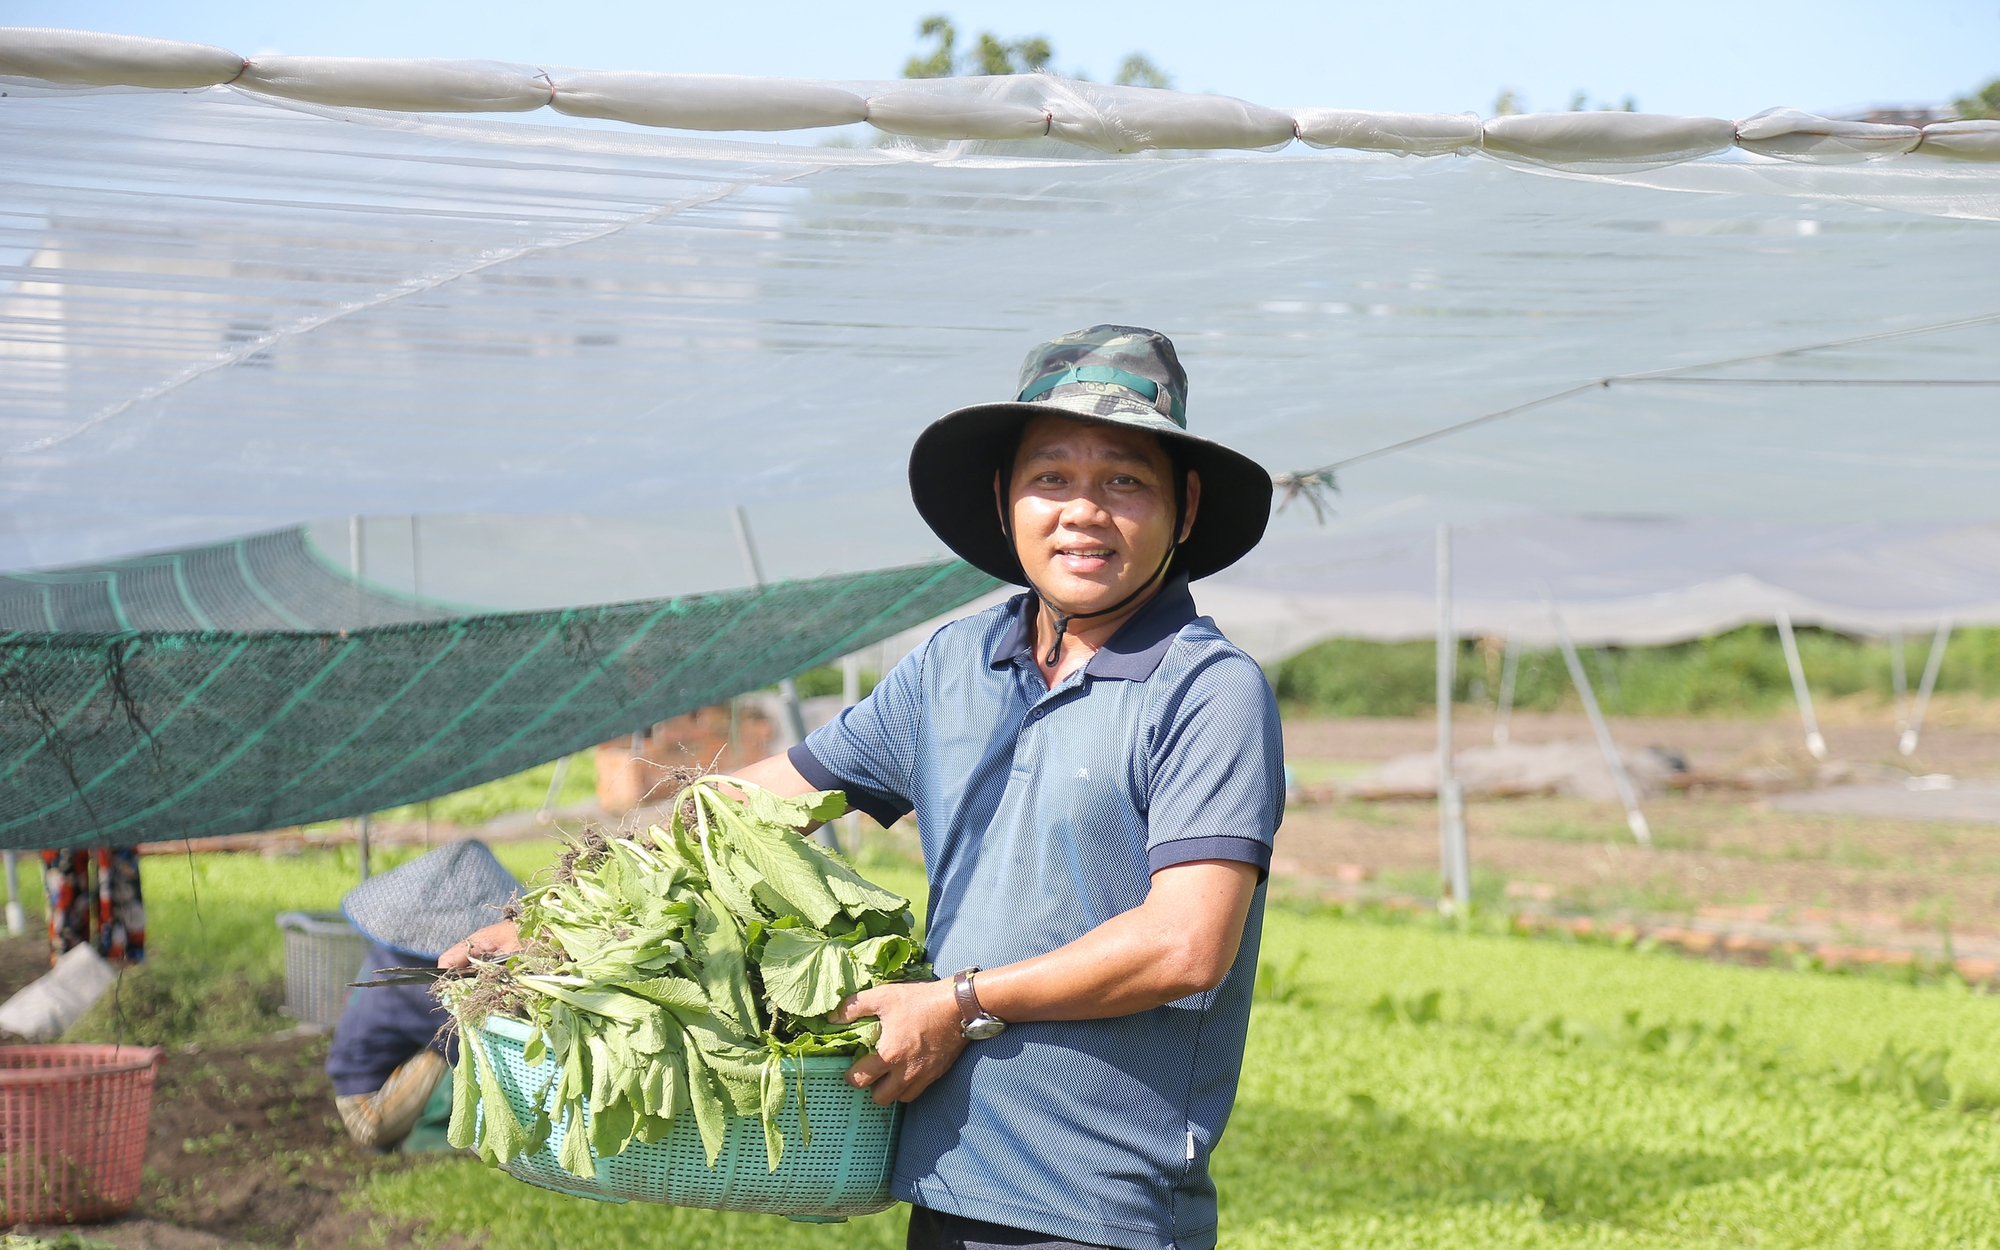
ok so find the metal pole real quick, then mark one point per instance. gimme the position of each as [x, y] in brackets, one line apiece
[788, 689]
[1634, 818]
[850, 694]
[548, 813]
[1899, 682]
[1508, 668]
[1453, 861]
[416, 560]
[1814, 742]
[357, 563]
[1908, 744]
[17, 919]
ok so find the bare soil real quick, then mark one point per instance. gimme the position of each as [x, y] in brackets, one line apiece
[246, 1148]
[1714, 847]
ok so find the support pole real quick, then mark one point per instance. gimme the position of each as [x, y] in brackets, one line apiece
[788, 689]
[1800, 691]
[850, 694]
[1899, 682]
[547, 815]
[416, 560]
[17, 919]
[1509, 667]
[1454, 866]
[357, 564]
[1634, 818]
[1908, 744]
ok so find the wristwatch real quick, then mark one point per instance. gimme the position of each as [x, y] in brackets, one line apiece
[974, 1023]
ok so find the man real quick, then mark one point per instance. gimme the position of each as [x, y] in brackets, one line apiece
[1097, 777]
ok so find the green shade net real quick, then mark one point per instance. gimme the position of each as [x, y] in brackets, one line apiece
[250, 685]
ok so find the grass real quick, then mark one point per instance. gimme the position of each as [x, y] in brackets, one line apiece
[1735, 672]
[522, 792]
[214, 965]
[1405, 1085]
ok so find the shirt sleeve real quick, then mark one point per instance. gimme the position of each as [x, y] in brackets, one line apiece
[1218, 770]
[869, 751]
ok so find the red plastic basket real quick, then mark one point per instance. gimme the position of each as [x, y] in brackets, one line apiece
[73, 1124]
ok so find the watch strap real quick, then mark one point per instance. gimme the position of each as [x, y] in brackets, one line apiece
[969, 1009]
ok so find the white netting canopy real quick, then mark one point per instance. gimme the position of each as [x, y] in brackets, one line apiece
[227, 309]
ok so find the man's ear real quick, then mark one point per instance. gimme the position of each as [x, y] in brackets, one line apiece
[1000, 500]
[1193, 504]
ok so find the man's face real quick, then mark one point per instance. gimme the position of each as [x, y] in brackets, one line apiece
[1093, 509]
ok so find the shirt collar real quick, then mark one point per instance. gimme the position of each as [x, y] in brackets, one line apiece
[1133, 652]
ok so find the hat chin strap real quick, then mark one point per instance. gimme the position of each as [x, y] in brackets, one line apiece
[1064, 618]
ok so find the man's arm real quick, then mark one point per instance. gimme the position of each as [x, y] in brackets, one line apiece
[1182, 940]
[774, 773]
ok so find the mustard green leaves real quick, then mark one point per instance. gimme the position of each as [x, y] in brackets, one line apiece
[678, 972]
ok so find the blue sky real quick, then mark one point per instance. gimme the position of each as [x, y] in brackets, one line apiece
[1693, 56]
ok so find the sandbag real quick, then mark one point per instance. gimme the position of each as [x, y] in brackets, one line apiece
[1972, 140]
[86, 58]
[705, 101]
[1792, 135]
[413, 86]
[1134, 119]
[1408, 134]
[927, 115]
[46, 1007]
[1607, 138]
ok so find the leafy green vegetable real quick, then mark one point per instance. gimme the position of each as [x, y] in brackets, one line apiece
[679, 971]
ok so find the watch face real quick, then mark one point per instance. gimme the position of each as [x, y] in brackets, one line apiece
[984, 1027]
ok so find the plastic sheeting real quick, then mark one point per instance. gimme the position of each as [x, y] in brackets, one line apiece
[1617, 581]
[225, 313]
[1105, 118]
[1797, 136]
[412, 86]
[1406, 134]
[1607, 138]
[705, 101]
[222, 313]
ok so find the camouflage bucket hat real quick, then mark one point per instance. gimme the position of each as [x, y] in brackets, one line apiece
[1113, 375]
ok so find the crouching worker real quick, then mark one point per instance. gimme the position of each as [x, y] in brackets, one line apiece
[389, 1057]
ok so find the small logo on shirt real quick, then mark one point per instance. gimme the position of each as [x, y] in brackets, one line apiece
[1083, 774]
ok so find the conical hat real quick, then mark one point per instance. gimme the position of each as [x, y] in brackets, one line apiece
[434, 902]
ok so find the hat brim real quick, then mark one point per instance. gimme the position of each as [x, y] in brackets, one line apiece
[954, 460]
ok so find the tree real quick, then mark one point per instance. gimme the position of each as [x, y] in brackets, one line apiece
[1581, 101]
[939, 63]
[1984, 102]
[990, 54]
[1139, 71]
[1507, 103]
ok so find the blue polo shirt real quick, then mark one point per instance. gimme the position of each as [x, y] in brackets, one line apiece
[1043, 814]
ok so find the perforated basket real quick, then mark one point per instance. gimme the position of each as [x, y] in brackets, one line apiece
[843, 1172]
[73, 1123]
[322, 955]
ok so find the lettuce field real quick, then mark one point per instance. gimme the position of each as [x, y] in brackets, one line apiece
[1411, 1086]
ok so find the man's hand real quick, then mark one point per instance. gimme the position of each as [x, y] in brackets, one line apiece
[920, 1038]
[501, 938]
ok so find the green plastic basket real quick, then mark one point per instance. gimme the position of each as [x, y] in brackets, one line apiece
[843, 1172]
